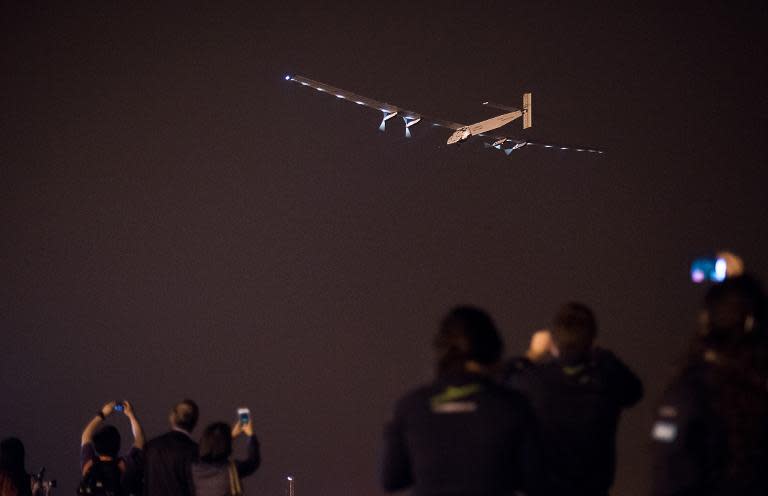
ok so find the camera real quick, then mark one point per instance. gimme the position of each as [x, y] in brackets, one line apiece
[119, 406]
[40, 486]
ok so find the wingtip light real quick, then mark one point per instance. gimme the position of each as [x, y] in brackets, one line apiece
[287, 77]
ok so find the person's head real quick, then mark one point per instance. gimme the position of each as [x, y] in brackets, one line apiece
[106, 441]
[216, 443]
[467, 335]
[12, 455]
[734, 311]
[184, 415]
[574, 329]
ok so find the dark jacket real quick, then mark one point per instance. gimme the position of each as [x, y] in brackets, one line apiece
[462, 435]
[710, 436]
[578, 406]
[212, 479]
[167, 467]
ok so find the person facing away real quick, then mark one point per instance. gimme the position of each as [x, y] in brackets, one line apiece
[463, 434]
[215, 473]
[710, 435]
[578, 392]
[170, 455]
[14, 479]
[104, 472]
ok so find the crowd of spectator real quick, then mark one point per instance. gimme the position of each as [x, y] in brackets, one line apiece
[543, 423]
[170, 464]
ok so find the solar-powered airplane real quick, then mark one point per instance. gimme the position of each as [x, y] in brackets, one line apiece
[461, 132]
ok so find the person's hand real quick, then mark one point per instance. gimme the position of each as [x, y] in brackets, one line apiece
[541, 347]
[237, 429]
[108, 408]
[248, 428]
[127, 408]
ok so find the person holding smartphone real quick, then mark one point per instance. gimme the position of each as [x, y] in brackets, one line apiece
[102, 467]
[215, 473]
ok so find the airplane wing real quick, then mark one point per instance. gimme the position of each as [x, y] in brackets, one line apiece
[501, 142]
[508, 145]
[387, 108]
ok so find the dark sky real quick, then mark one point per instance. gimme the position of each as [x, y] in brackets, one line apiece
[176, 220]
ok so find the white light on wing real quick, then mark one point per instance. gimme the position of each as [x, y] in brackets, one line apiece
[304, 84]
[339, 96]
[319, 89]
[360, 103]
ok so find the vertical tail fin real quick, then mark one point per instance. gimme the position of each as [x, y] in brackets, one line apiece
[527, 110]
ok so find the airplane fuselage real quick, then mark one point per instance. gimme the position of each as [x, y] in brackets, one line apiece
[465, 132]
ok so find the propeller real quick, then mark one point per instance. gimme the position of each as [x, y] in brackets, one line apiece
[508, 151]
[410, 121]
[387, 116]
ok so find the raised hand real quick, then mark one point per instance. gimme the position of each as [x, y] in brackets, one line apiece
[108, 408]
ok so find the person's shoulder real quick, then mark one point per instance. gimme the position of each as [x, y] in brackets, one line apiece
[414, 395]
[157, 441]
[170, 438]
[506, 394]
[524, 367]
[518, 365]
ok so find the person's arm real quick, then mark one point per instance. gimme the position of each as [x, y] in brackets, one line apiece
[253, 460]
[138, 432]
[90, 428]
[625, 387]
[395, 464]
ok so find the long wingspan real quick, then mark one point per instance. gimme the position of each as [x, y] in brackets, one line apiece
[503, 143]
[386, 108]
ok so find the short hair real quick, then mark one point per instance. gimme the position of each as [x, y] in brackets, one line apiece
[466, 334]
[216, 443]
[185, 415]
[106, 441]
[574, 328]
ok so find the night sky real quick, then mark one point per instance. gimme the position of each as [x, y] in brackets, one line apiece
[177, 220]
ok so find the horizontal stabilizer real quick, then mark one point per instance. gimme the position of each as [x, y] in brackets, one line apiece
[500, 107]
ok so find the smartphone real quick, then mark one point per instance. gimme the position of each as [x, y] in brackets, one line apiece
[244, 415]
[119, 407]
[708, 269]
